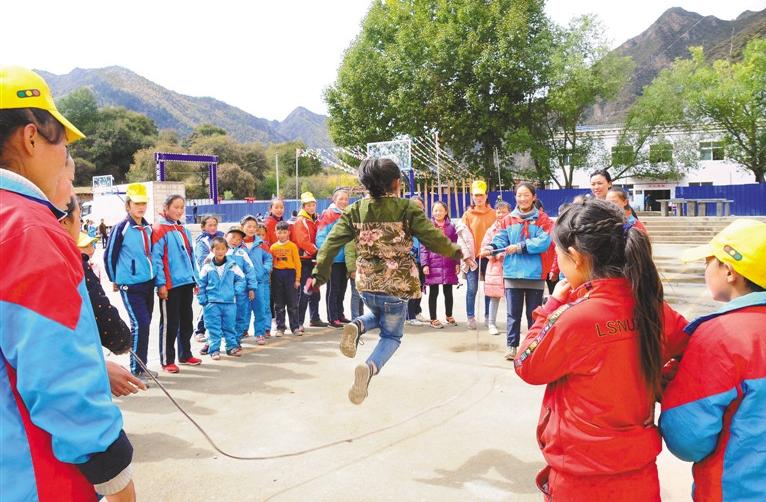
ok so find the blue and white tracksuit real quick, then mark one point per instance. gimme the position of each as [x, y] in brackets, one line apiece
[242, 259]
[219, 289]
[128, 263]
[201, 250]
[173, 260]
[262, 263]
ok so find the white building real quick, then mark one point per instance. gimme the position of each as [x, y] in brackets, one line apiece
[704, 149]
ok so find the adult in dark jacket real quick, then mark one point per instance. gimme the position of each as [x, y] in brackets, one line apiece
[438, 269]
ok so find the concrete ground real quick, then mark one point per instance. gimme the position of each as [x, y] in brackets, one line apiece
[447, 420]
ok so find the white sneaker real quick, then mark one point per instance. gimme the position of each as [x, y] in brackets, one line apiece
[471, 323]
[510, 353]
[414, 322]
[362, 377]
[493, 330]
[422, 318]
[279, 333]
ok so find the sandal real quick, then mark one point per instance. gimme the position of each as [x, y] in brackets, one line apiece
[451, 321]
[436, 324]
[236, 352]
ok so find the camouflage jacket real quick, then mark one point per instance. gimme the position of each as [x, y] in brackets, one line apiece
[382, 229]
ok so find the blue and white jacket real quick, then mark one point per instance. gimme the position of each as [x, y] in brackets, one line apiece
[261, 259]
[221, 288]
[128, 257]
[60, 432]
[202, 247]
[532, 234]
[172, 255]
[242, 259]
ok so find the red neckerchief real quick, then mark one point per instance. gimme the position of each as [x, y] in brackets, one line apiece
[248, 240]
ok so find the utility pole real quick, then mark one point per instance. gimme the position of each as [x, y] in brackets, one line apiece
[438, 169]
[497, 165]
[277, 175]
[297, 189]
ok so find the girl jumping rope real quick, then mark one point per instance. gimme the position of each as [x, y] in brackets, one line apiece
[386, 276]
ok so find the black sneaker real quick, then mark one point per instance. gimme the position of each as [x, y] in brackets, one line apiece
[349, 340]
[362, 376]
[318, 323]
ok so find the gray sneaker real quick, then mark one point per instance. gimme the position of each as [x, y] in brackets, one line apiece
[362, 377]
[471, 323]
[510, 353]
[349, 339]
[146, 379]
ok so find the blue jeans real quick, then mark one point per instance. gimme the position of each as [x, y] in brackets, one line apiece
[514, 302]
[357, 305]
[387, 313]
[472, 277]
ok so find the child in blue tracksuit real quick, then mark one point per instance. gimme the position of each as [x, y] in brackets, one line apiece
[209, 227]
[128, 263]
[221, 283]
[262, 263]
[176, 280]
[239, 254]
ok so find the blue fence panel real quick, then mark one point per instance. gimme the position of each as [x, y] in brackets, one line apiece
[749, 199]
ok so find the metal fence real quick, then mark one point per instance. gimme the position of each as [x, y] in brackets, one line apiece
[747, 200]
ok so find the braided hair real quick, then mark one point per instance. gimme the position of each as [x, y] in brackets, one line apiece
[598, 230]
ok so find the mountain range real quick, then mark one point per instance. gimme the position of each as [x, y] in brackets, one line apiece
[657, 47]
[118, 86]
[669, 38]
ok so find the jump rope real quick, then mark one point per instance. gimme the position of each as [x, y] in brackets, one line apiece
[322, 446]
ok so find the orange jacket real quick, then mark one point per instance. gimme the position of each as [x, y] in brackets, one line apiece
[479, 221]
[597, 415]
[304, 235]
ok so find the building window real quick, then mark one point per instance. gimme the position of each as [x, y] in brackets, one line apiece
[711, 150]
[662, 152]
[700, 183]
[621, 155]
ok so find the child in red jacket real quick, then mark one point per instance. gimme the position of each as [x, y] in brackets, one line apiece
[713, 410]
[599, 344]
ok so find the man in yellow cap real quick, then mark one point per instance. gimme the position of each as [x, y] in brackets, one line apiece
[478, 218]
[713, 410]
[304, 235]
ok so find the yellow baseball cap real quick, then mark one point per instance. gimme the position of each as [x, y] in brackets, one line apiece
[742, 245]
[478, 187]
[85, 240]
[23, 88]
[137, 193]
[307, 197]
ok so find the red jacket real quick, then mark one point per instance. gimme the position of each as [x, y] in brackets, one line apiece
[598, 414]
[271, 229]
[304, 235]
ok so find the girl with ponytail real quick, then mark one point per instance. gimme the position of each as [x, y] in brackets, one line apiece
[600, 344]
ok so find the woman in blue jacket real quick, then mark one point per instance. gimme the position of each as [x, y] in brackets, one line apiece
[128, 263]
[525, 236]
[176, 280]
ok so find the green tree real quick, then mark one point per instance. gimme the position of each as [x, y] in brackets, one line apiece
[113, 135]
[461, 68]
[732, 97]
[233, 178]
[581, 72]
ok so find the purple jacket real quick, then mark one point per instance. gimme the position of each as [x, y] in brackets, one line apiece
[442, 269]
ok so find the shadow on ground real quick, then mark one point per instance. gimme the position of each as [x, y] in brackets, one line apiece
[518, 476]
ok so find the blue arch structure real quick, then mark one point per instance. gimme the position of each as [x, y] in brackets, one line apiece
[210, 161]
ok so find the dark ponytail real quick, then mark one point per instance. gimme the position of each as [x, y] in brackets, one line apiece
[598, 229]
